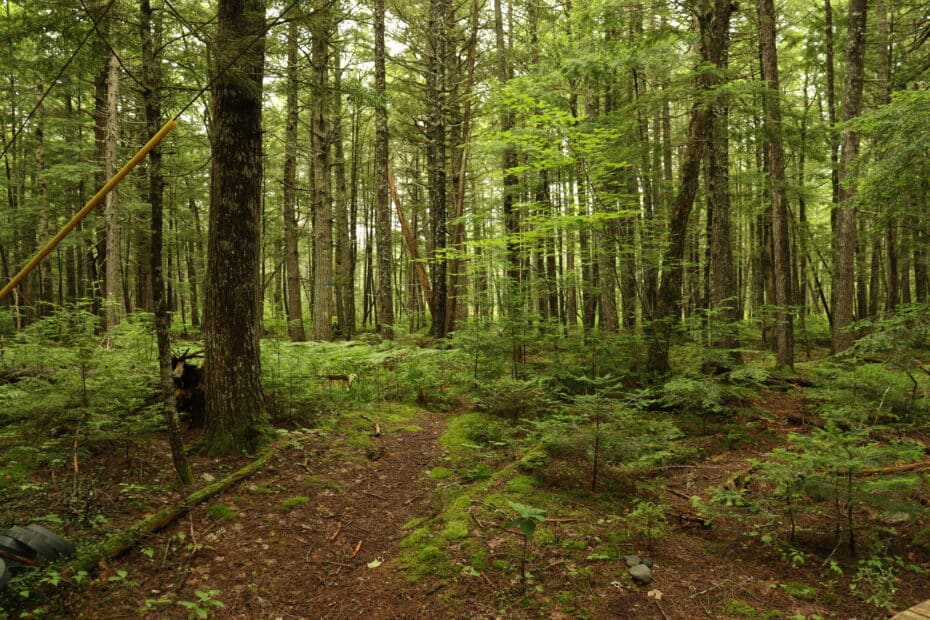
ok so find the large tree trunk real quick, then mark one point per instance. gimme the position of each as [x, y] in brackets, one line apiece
[714, 23]
[385, 294]
[293, 306]
[783, 330]
[235, 408]
[320, 139]
[844, 241]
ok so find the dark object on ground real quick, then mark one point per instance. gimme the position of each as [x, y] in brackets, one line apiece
[33, 545]
[188, 387]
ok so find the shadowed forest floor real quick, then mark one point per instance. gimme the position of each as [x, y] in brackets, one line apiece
[350, 523]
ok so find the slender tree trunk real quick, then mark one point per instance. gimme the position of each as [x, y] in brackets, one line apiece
[436, 160]
[714, 23]
[235, 408]
[294, 308]
[844, 242]
[111, 214]
[151, 98]
[385, 325]
[345, 311]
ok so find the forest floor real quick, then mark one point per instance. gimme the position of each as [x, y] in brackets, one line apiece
[348, 522]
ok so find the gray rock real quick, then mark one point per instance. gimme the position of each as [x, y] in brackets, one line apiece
[647, 562]
[632, 560]
[641, 574]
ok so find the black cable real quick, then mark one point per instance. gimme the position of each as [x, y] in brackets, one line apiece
[279, 20]
[51, 85]
[112, 50]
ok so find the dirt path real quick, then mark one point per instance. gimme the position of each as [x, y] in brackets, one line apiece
[318, 559]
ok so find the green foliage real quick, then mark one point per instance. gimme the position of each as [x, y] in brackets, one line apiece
[824, 467]
[201, 608]
[513, 398]
[648, 521]
[875, 581]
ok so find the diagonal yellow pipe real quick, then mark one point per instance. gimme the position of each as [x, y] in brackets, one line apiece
[93, 202]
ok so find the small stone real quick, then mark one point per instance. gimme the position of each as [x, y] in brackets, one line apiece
[641, 574]
[647, 562]
[632, 560]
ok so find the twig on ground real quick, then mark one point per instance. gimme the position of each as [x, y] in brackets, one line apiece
[357, 548]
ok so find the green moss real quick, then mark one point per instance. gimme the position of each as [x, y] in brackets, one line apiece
[533, 461]
[412, 523]
[263, 489]
[799, 591]
[575, 545]
[293, 502]
[440, 473]
[503, 566]
[736, 607]
[410, 428]
[604, 552]
[521, 484]
[427, 560]
[221, 512]
[455, 529]
[478, 559]
[415, 538]
[543, 536]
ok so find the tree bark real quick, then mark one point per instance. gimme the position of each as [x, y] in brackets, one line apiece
[235, 411]
[783, 329]
[714, 23]
[844, 242]
[320, 141]
[293, 305]
[436, 159]
[153, 120]
[385, 294]
[112, 289]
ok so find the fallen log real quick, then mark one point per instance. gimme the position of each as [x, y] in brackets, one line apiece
[120, 542]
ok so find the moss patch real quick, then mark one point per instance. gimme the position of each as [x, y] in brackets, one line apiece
[221, 512]
[293, 502]
[440, 473]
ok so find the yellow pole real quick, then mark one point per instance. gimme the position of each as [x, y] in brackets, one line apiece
[93, 202]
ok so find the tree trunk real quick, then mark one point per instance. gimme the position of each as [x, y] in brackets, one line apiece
[436, 159]
[112, 289]
[784, 329]
[293, 306]
[235, 408]
[844, 242]
[345, 311]
[714, 23]
[320, 139]
[151, 98]
[385, 325]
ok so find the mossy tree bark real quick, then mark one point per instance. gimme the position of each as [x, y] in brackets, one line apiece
[235, 416]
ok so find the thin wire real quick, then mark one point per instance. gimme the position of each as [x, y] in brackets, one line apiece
[8, 145]
[106, 43]
[279, 20]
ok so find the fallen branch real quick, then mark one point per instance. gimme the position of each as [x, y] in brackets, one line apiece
[895, 469]
[120, 542]
[9, 555]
